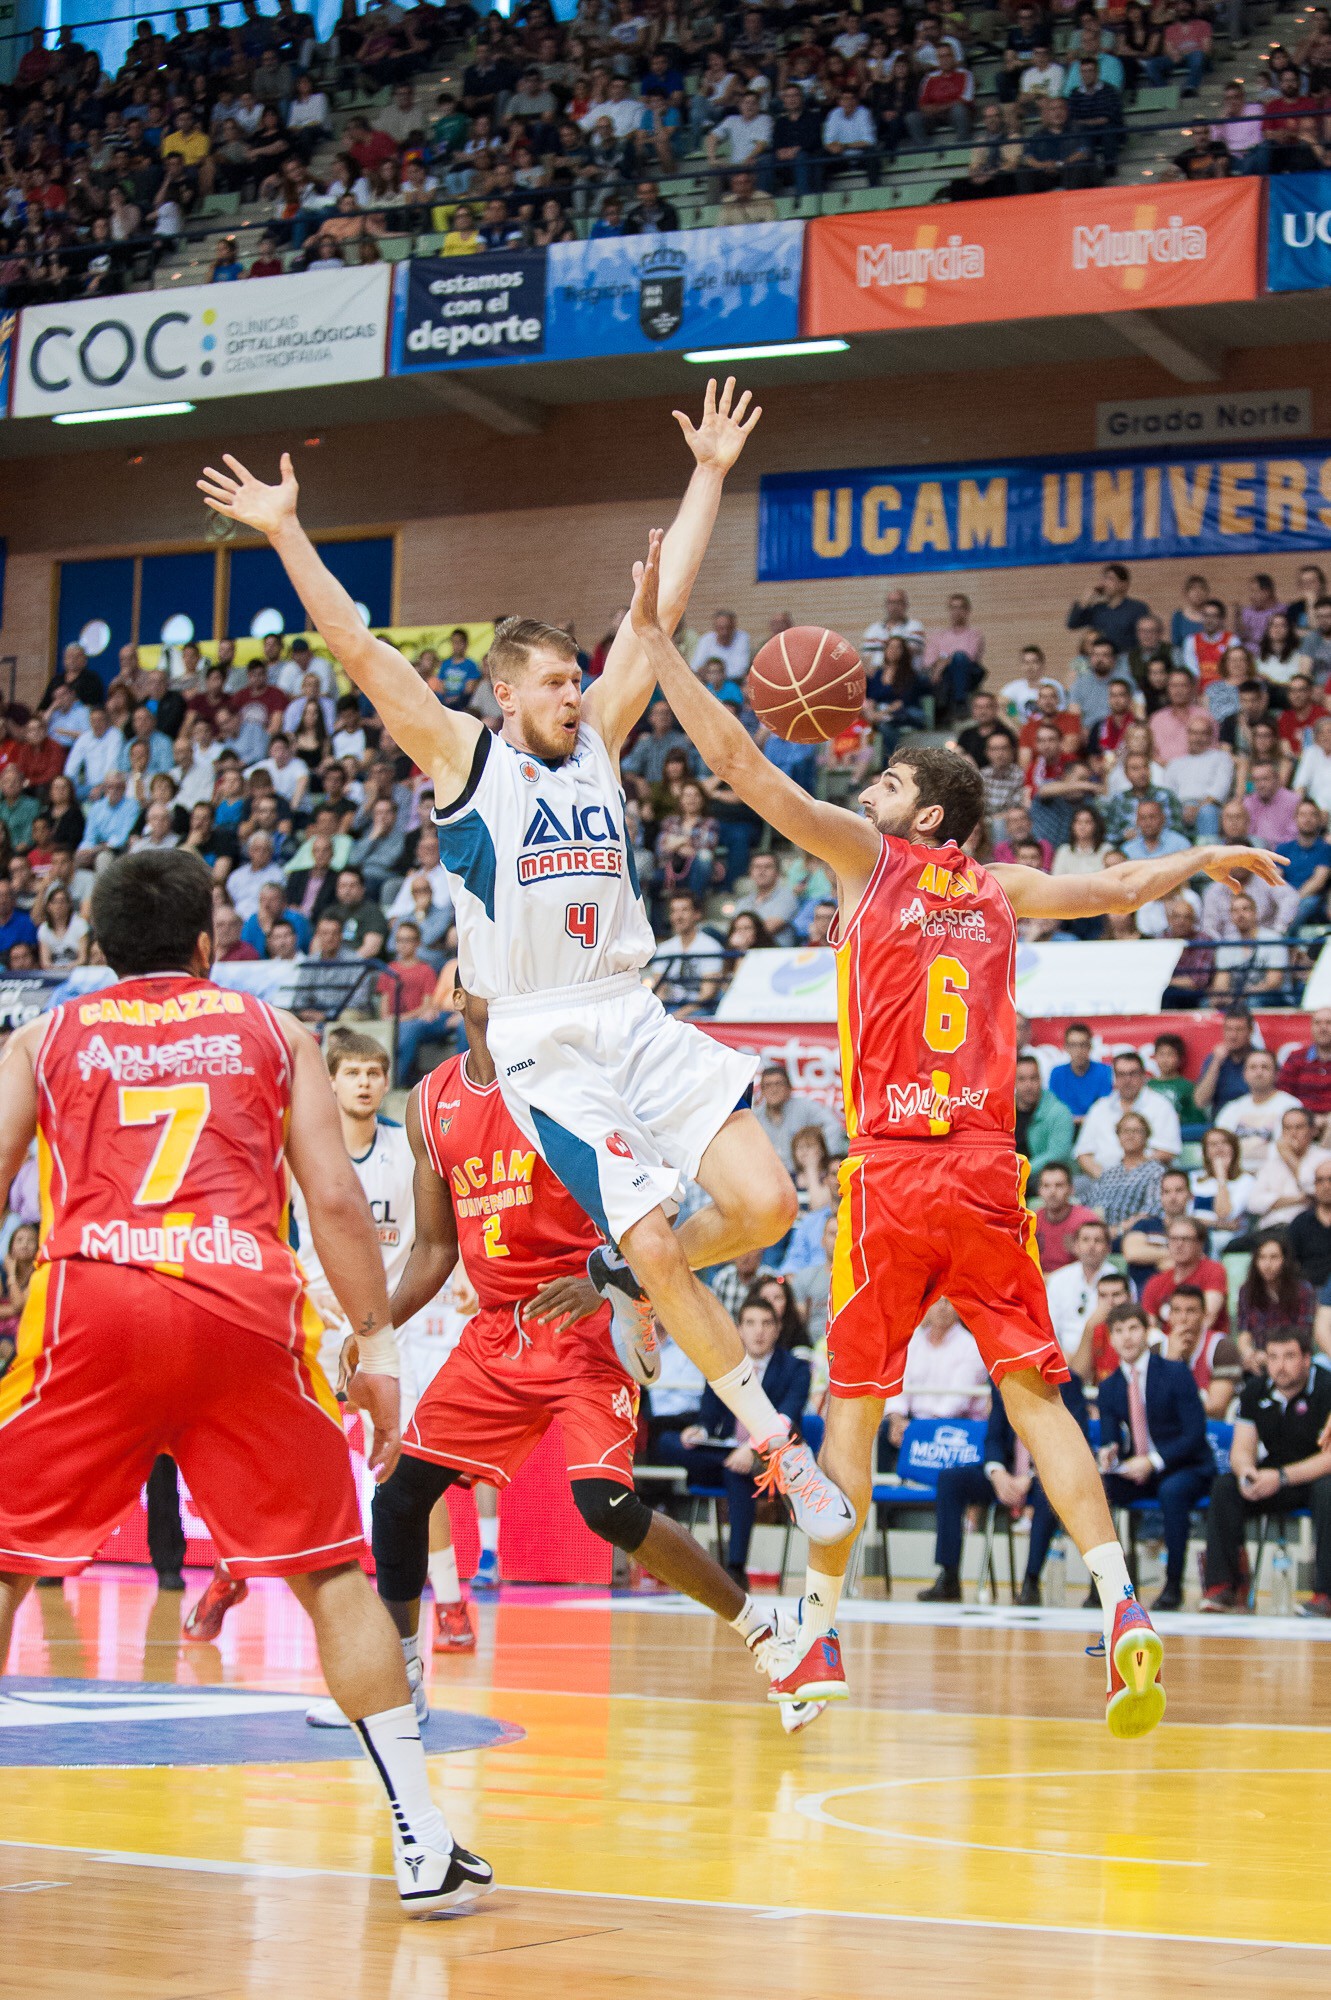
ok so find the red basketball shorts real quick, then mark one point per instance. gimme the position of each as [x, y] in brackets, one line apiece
[495, 1396]
[926, 1219]
[113, 1368]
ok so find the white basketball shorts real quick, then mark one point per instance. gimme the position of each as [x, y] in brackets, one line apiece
[621, 1099]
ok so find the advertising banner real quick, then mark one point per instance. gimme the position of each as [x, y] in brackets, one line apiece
[1298, 232]
[1101, 250]
[694, 288]
[8, 329]
[468, 312]
[308, 330]
[892, 520]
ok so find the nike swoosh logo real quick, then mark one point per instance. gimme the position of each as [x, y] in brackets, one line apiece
[620, 1500]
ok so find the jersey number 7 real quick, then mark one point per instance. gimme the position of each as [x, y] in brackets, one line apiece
[580, 923]
[182, 1109]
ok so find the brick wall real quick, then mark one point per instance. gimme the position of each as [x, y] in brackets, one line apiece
[550, 524]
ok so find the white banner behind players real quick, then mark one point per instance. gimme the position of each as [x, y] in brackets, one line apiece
[307, 330]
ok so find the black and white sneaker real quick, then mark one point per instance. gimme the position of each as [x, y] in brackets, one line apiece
[610, 1274]
[429, 1880]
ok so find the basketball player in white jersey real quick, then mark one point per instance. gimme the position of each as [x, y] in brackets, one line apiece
[624, 1101]
[382, 1157]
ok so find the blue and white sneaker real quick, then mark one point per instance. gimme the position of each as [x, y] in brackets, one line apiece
[487, 1571]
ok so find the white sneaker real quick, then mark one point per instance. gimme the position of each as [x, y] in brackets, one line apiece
[633, 1336]
[327, 1714]
[797, 1715]
[774, 1645]
[819, 1509]
[430, 1878]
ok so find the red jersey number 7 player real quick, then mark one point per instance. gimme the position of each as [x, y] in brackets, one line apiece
[932, 1190]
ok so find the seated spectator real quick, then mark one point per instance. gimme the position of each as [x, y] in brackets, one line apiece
[1204, 648]
[1283, 1185]
[427, 1003]
[1255, 1117]
[329, 984]
[742, 202]
[1169, 724]
[1202, 779]
[1058, 1217]
[1153, 840]
[797, 143]
[1140, 786]
[1188, 1264]
[1001, 776]
[1212, 1357]
[244, 883]
[1309, 1237]
[1271, 807]
[1042, 77]
[1018, 831]
[1239, 128]
[1098, 1144]
[944, 1376]
[745, 134]
[110, 820]
[945, 98]
[717, 1450]
[1306, 1072]
[1007, 1478]
[1221, 1079]
[850, 137]
[16, 926]
[1170, 1052]
[1187, 44]
[689, 964]
[1145, 1247]
[1153, 1443]
[1080, 1082]
[1129, 1190]
[1282, 1418]
[1095, 110]
[1275, 904]
[783, 1112]
[1056, 156]
[1044, 1124]
[274, 910]
[1308, 858]
[364, 925]
[1221, 1187]
[1274, 1302]
[1072, 1290]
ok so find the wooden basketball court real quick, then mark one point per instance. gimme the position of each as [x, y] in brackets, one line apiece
[169, 1826]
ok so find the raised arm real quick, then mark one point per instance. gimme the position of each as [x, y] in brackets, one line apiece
[848, 844]
[441, 741]
[435, 1249]
[346, 1239]
[625, 687]
[1130, 885]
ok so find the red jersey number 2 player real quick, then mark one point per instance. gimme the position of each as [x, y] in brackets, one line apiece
[932, 1190]
[165, 1111]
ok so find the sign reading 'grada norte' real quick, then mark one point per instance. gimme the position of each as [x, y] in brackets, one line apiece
[1214, 419]
[1092, 251]
[310, 330]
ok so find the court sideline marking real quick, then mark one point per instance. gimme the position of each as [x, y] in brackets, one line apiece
[275, 1871]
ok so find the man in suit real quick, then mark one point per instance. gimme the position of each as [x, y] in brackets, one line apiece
[1153, 1443]
[313, 890]
[715, 1451]
[1008, 1477]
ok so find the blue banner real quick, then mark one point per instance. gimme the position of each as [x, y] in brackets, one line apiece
[693, 288]
[897, 520]
[1298, 232]
[468, 312]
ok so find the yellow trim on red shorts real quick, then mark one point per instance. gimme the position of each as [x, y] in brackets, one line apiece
[17, 1384]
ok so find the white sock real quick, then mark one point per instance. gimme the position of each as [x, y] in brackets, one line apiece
[444, 1576]
[489, 1527]
[411, 1651]
[742, 1393]
[392, 1742]
[822, 1594]
[749, 1620]
[1109, 1571]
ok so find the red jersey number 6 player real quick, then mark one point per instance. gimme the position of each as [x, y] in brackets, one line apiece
[164, 1108]
[932, 1188]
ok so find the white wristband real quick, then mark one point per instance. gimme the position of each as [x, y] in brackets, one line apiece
[377, 1353]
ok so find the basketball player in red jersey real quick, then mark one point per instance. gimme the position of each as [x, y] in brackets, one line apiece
[539, 1348]
[164, 1108]
[932, 1189]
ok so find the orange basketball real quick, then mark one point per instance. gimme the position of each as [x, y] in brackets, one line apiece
[806, 684]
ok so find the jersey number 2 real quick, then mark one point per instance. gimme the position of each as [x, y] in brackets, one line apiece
[494, 1247]
[182, 1110]
[580, 923]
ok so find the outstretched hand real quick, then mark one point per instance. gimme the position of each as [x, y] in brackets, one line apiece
[644, 612]
[242, 497]
[719, 439]
[1223, 864]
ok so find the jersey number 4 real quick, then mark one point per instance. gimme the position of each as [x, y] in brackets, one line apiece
[580, 923]
[182, 1111]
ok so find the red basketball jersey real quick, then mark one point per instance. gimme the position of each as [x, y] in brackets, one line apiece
[518, 1225]
[161, 1118]
[926, 1007]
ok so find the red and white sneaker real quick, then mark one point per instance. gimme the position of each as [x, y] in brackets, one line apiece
[1135, 1702]
[453, 1629]
[797, 1715]
[817, 1677]
[819, 1509]
[203, 1621]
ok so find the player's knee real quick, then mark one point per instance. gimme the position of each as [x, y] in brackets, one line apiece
[655, 1254]
[400, 1527]
[613, 1512]
[774, 1203]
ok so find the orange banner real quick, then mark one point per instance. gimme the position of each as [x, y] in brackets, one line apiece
[1102, 251]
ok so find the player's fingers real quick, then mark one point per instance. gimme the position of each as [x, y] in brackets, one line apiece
[727, 394]
[709, 400]
[754, 415]
[288, 470]
[242, 472]
[685, 423]
[737, 414]
[637, 574]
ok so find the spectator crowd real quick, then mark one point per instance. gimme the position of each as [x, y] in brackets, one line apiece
[533, 130]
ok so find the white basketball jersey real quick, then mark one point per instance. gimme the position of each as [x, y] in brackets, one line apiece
[543, 880]
[386, 1174]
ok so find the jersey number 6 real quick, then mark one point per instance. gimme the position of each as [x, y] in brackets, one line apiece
[946, 1015]
[580, 923]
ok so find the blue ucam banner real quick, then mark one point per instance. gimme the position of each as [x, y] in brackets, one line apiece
[1298, 232]
[468, 312]
[693, 288]
[900, 519]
